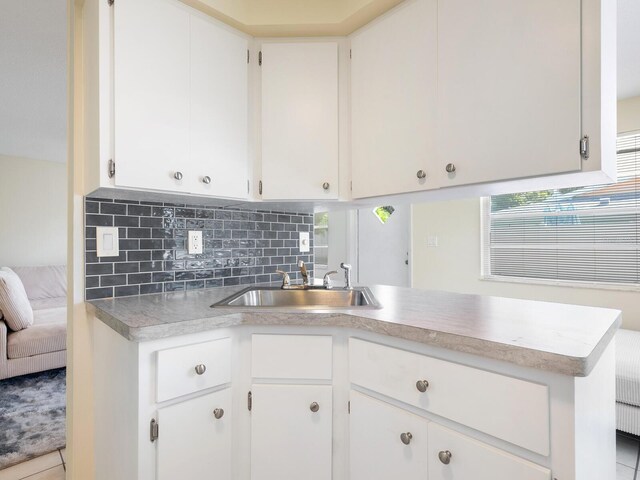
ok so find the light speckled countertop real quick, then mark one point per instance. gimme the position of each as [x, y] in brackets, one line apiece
[566, 339]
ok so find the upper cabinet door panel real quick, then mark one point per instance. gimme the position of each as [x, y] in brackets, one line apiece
[218, 109]
[508, 89]
[151, 93]
[300, 120]
[393, 101]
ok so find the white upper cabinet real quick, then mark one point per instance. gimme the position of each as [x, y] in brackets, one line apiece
[509, 86]
[181, 93]
[218, 109]
[393, 102]
[300, 121]
[151, 93]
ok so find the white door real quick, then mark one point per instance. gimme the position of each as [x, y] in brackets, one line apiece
[453, 456]
[218, 110]
[192, 442]
[385, 442]
[151, 93]
[393, 101]
[289, 440]
[300, 121]
[508, 89]
[384, 248]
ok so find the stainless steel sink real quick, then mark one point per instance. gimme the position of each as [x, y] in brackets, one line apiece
[308, 298]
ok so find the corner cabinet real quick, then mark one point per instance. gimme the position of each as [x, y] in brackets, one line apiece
[393, 102]
[180, 100]
[300, 155]
[259, 402]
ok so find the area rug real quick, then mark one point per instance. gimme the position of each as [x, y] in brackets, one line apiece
[32, 416]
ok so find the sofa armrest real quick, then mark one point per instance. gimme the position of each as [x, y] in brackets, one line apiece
[3, 350]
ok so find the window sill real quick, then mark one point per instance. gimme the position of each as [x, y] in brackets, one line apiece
[623, 287]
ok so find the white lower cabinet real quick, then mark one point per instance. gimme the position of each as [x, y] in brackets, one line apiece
[385, 441]
[291, 432]
[453, 456]
[196, 438]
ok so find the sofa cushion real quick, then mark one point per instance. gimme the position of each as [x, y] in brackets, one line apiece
[48, 334]
[43, 282]
[14, 302]
[628, 367]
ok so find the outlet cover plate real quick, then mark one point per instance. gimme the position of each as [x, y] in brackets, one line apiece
[195, 242]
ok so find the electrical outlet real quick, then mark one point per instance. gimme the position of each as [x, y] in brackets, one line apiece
[195, 242]
[304, 242]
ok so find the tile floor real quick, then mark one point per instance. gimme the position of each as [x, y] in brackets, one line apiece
[52, 466]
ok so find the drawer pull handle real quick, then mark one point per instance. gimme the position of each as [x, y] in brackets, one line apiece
[406, 438]
[200, 369]
[421, 174]
[218, 413]
[314, 407]
[177, 175]
[445, 456]
[422, 385]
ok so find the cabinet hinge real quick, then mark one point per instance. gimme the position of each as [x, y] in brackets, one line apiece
[260, 187]
[111, 168]
[349, 406]
[248, 55]
[260, 58]
[350, 54]
[249, 401]
[248, 186]
[351, 185]
[584, 147]
[110, 2]
[154, 430]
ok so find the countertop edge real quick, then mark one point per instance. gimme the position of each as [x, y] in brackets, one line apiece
[518, 355]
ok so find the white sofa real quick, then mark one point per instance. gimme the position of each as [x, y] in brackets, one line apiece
[628, 381]
[43, 345]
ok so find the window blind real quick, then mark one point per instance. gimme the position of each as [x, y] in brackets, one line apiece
[585, 234]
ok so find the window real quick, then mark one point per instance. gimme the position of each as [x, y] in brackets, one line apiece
[321, 240]
[586, 234]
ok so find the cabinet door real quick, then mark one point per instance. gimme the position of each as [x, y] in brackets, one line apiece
[218, 110]
[471, 459]
[288, 439]
[300, 121]
[377, 451]
[508, 89]
[151, 93]
[192, 442]
[393, 102]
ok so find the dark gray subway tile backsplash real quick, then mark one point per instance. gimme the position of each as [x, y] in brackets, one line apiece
[241, 247]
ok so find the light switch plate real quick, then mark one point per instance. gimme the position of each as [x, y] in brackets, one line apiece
[304, 242]
[195, 242]
[432, 240]
[107, 242]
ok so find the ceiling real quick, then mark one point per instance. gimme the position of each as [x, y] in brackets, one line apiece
[33, 55]
[33, 79]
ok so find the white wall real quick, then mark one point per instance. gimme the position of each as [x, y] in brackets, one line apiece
[455, 264]
[33, 212]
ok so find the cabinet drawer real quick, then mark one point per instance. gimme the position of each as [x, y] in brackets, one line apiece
[508, 408]
[177, 373]
[291, 356]
[472, 459]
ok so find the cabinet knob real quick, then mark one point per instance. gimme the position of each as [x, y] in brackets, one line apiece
[445, 456]
[206, 180]
[177, 175]
[218, 413]
[201, 368]
[421, 174]
[325, 185]
[406, 438]
[314, 407]
[422, 385]
[450, 168]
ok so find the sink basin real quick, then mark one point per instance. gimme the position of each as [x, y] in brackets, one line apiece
[308, 298]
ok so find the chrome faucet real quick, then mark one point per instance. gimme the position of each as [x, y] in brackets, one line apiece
[326, 281]
[347, 276]
[304, 273]
[286, 282]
